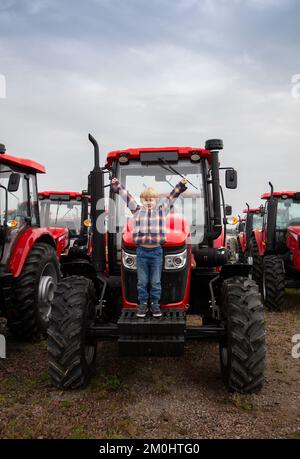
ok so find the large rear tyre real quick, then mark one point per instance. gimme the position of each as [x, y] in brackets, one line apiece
[71, 355]
[273, 282]
[242, 350]
[257, 260]
[33, 293]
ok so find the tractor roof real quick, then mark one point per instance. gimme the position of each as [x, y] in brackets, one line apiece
[28, 164]
[71, 194]
[256, 210]
[289, 194]
[134, 153]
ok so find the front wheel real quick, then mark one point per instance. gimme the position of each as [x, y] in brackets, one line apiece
[273, 282]
[242, 350]
[33, 293]
[257, 262]
[71, 354]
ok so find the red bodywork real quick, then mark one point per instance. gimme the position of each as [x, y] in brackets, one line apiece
[134, 153]
[72, 194]
[178, 233]
[55, 236]
[293, 232]
[293, 243]
[242, 238]
[27, 164]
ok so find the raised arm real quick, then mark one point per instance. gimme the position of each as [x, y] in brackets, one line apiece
[117, 187]
[177, 190]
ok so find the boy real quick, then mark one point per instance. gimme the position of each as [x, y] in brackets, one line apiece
[149, 230]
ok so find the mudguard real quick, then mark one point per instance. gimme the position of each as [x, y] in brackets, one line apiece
[57, 237]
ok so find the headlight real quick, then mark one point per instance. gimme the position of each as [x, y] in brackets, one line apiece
[176, 260]
[129, 260]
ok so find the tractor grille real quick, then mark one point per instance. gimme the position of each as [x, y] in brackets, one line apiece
[173, 282]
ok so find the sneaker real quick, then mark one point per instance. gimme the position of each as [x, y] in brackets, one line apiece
[155, 309]
[142, 310]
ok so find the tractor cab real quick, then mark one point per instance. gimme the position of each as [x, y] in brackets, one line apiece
[276, 249]
[29, 253]
[283, 222]
[18, 200]
[100, 301]
[65, 209]
[252, 223]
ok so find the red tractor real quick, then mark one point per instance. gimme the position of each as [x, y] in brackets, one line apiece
[275, 250]
[249, 225]
[221, 292]
[29, 268]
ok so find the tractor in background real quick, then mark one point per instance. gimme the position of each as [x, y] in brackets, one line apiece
[69, 209]
[221, 292]
[275, 250]
[250, 224]
[29, 252]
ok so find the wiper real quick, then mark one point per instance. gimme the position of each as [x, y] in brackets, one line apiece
[172, 169]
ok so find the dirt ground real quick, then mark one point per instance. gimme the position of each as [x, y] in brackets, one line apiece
[155, 397]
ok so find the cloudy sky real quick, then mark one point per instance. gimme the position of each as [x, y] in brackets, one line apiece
[153, 73]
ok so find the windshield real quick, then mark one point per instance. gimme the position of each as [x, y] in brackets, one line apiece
[288, 213]
[16, 202]
[61, 214]
[257, 221]
[135, 177]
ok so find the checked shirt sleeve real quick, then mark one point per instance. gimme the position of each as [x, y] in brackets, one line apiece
[179, 188]
[131, 203]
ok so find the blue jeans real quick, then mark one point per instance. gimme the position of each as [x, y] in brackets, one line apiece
[149, 267]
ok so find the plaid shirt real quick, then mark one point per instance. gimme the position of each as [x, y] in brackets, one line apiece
[149, 225]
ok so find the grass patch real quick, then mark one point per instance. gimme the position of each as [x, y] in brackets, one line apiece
[294, 436]
[79, 433]
[242, 403]
[108, 382]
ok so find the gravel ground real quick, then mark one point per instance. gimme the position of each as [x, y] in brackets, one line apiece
[154, 397]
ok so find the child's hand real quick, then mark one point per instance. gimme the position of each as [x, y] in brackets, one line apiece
[114, 180]
[184, 180]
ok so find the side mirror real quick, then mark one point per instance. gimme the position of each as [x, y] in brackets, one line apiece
[228, 210]
[14, 182]
[231, 179]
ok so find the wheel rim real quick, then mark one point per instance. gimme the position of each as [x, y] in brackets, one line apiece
[46, 290]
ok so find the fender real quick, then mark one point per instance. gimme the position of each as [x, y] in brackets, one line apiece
[57, 237]
[260, 241]
[293, 238]
[242, 240]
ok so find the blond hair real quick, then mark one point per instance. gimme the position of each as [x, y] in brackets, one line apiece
[149, 193]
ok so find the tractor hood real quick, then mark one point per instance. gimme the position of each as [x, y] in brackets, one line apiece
[294, 229]
[178, 231]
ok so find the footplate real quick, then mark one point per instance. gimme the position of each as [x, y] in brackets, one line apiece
[162, 336]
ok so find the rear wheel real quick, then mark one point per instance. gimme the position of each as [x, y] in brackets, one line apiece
[257, 262]
[71, 355]
[273, 282]
[33, 294]
[242, 350]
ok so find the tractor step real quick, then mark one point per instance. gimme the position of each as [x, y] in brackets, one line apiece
[172, 322]
[152, 336]
[158, 346]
